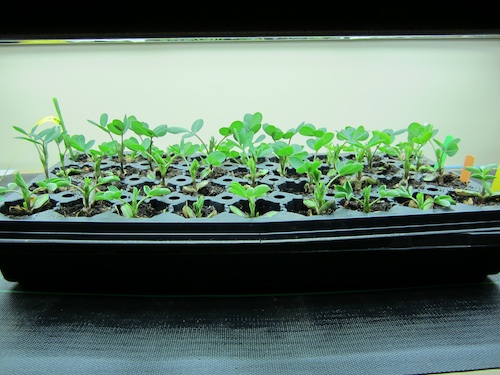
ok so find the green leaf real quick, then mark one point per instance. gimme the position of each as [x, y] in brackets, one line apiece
[216, 158]
[249, 192]
[307, 130]
[260, 138]
[19, 181]
[117, 127]
[420, 134]
[310, 203]
[188, 211]
[51, 186]
[161, 130]
[269, 129]
[225, 131]
[111, 194]
[50, 134]
[134, 145]
[108, 179]
[78, 142]
[261, 190]
[325, 139]
[327, 205]
[311, 143]
[141, 128]
[146, 189]
[202, 184]
[127, 211]
[238, 212]
[286, 151]
[21, 130]
[237, 188]
[269, 214]
[40, 201]
[157, 192]
[253, 121]
[444, 200]
[384, 192]
[197, 125]
[28, 139]
[103, 119]
[350, 169]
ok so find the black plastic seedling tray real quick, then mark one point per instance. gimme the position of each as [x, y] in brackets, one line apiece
[288, 252]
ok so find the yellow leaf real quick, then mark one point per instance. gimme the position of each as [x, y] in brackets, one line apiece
[52, 119]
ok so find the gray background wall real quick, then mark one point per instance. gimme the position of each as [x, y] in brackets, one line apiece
[453, 84]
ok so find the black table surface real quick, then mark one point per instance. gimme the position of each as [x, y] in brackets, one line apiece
[407, 330]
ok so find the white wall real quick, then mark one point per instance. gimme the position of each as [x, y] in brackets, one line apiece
[452, 84]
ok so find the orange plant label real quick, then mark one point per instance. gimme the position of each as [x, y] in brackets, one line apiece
[465, 174]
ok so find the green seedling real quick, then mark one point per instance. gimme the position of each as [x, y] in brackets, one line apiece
[90, 188]
[419, 135]
[286, 152]
[213, 146]
[406, 156]
[318, 203]
[110, 148]
[485, 177]
[251, 194]
[144, 147]
[213, 159]
[196, 211]
[33, 199]
[318, 138]
[116, 128]
[196, 185]
[193, 132]
[354, 137]
[277, 134]
[253, 173]
[449, 147]
[388, 138]
[64, 133]
[130, 209]
[186, 151]
[147, 135]
[63, 145]
[410, 151]
[346, 191]
[64, 139]
[224, 145]
[311, 169]
[42, 139]
[227, 148]
[333, 151]
[79, 143]
[379, 140]
[420, 200]
[282, 147]
[163, 163]
[244, 133]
